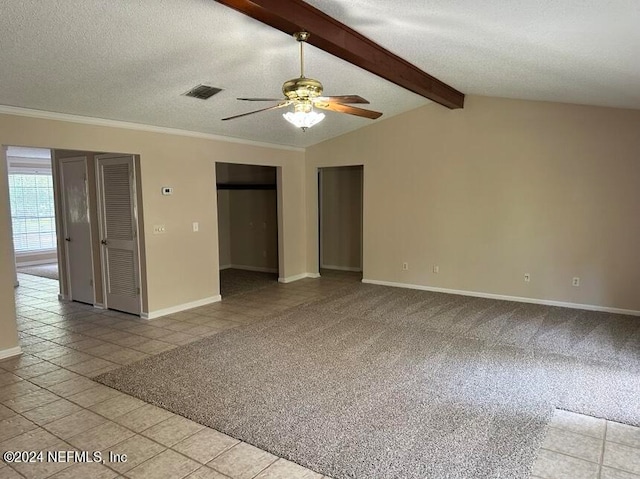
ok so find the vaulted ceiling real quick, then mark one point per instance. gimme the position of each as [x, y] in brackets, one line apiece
[133, 60]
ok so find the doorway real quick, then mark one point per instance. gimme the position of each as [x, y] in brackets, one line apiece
[340, 202]
[59, 244]
[33, 215]
[247, 227]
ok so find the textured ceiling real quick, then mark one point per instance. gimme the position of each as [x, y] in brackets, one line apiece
[131, 61]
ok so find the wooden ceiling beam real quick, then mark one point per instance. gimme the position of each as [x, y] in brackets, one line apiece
[334, 37]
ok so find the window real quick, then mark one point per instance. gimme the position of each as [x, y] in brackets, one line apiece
[32, 210]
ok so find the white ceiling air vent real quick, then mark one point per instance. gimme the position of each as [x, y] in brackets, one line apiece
[203, 92]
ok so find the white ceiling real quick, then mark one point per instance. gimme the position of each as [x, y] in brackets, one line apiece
[131, 61]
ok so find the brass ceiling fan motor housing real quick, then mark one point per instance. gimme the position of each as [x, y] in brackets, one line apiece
[302, 88]
[305, 94]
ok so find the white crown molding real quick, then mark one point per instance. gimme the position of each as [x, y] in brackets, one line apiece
[88, 120]
[518, 299]
[181, 307]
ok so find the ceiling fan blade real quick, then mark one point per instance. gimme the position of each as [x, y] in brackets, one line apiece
[351, 110]
[284, 103]
[259, 99]
[341, 99]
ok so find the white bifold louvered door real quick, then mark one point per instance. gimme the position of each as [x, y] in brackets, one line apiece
[118, 230]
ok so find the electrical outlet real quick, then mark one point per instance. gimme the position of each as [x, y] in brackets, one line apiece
[405, 266]
[436, 269]
[527, 277]
[158, 229]
[576, 281]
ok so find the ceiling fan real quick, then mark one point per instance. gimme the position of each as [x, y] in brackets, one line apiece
[305, 94]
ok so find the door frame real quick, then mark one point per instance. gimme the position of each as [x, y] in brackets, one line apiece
[136, 225]
[319, 176]
[64, 234]
[279, 213]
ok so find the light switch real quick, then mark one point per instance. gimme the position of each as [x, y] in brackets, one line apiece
[196, 227]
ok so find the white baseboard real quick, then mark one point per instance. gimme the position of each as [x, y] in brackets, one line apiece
[291, 279]
[341, 268]
[181, 307]
[98, 305]
[37, 262]
[519, 299]
[259, 269]
[63, 297]
[225, 266]
[255, 268]
[11, 352]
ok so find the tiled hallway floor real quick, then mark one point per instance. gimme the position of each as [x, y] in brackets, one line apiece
[584, 447]
[49, 403]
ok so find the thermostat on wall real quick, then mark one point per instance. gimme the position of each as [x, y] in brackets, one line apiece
[167, 190]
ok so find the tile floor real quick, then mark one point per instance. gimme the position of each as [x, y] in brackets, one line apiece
[49, 403]
[584, 447]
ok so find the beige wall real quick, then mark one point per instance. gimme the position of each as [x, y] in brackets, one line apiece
[8, 326]
[224, 228]
[182, 266]
[341, 226]
[494, 191]
[254, 229]
[251, 174]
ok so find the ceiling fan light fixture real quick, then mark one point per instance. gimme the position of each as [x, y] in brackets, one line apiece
[303, 116]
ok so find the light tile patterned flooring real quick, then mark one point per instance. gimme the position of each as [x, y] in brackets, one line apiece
[49, 403]
[584, 447]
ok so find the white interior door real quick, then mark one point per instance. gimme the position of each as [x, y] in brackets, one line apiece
[118, 229]
[77, 229]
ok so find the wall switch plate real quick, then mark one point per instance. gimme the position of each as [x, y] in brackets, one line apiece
[436, 269]
[405, 266]
[159, 229]
[576, 281]
[196, 227]
[527, 277]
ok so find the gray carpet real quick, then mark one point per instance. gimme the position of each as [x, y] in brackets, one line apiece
[376, 382]
[238, 281]
[43, 270]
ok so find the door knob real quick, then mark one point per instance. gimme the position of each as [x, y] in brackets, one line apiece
[104, 242]
[67, 239]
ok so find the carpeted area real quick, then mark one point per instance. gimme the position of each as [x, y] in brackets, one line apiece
[376, 382]
[237, 281]
[49, 270]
